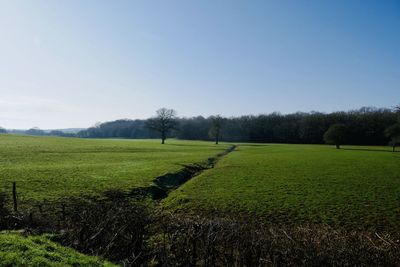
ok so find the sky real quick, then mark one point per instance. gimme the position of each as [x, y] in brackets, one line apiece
[74, 63]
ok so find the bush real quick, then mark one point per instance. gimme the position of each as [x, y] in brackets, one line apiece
[229, 242]
[134, 233]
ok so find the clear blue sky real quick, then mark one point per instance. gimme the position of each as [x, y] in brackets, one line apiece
[75, 63]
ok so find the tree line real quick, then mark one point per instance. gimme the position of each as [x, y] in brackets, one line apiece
[365, 126]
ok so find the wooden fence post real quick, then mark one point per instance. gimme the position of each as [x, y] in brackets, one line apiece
[63, 212]
[15, 197]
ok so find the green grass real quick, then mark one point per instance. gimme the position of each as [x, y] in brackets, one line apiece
[353, 186]
[19, 250]
[53, 167]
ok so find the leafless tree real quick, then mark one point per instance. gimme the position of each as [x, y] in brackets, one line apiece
[216, 127]
[163, 122]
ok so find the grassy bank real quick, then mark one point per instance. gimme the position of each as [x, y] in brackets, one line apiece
[19, 250]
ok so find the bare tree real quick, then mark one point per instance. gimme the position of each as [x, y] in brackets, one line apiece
[163, 122]
[216, 127]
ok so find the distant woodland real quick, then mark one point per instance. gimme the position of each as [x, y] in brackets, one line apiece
[365, 126]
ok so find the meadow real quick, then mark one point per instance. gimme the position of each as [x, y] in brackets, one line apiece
[18, 249]
[54, 167]
[354, 186]
[327, 199]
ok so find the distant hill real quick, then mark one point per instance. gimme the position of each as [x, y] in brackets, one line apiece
[67, 132]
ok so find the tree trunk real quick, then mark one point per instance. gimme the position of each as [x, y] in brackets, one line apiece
[15, 196]
[162, 137]
[337, 146]
[394, 147]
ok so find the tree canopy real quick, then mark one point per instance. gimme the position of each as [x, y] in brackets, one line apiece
[393, 132]
[366, 126]
[337, 134]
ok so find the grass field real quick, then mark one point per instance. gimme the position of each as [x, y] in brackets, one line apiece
[19, 250]
[353, 186]
[52, 167]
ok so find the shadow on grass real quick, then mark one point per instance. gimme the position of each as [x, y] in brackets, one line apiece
[171, 181]
[168, 182]
[255, 145]
[371, 150]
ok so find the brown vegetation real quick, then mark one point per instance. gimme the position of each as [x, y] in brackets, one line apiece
[136, 233]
